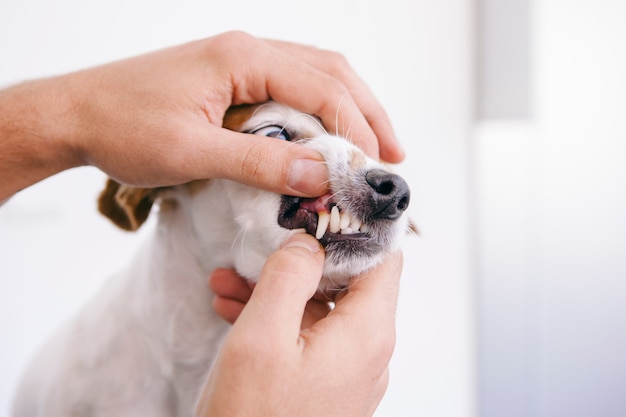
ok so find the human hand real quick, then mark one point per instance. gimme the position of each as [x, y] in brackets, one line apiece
[272, 364]
[232, 292]
[155, 119]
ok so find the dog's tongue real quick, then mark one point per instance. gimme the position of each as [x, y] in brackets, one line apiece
[316, 205]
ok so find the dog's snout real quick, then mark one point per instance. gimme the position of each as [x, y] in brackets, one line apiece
[390, 194]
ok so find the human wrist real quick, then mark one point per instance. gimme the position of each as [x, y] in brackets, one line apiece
[36, 139]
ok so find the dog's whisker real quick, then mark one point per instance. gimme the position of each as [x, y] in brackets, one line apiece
[342, 131]
[314, 119]
[240, 238]
[412, 229]
[334, 287]
[354, 281]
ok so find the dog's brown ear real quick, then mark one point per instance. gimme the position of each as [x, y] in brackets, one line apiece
[127, 207]
[236, 116]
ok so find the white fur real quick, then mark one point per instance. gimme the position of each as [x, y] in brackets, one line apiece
[144, 344]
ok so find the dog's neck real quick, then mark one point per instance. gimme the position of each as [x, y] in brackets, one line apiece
[192, 239]
[173, 294]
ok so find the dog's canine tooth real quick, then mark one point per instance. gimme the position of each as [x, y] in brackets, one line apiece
[334, 220]
[323, 220]
[347, 231]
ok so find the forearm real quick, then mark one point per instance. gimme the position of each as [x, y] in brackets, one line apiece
[36, 120]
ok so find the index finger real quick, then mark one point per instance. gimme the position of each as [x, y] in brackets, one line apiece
[273, 73]
[316, 92]
[338, 67]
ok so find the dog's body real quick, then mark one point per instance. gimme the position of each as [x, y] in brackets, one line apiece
[144, 345]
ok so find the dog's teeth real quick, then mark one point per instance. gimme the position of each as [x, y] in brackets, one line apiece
[322, 223]
[334, 220]
[355, 225]
[337, 222]
[345, 220]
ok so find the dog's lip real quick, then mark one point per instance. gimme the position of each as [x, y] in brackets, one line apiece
[316, 204]
[302, 213]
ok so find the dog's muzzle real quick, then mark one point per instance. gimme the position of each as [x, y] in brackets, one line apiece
[380, 197]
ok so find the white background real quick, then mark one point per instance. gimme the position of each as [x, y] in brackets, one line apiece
[55, 250]
[513, 300]
[551, 225]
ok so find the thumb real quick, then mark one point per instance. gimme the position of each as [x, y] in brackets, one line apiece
[288, 280]
[266, 163]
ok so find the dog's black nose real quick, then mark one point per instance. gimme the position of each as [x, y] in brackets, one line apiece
[390, 195]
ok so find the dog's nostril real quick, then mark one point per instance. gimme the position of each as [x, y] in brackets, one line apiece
[391, 195]
[385, 187]
[403, 203]
[381, 181]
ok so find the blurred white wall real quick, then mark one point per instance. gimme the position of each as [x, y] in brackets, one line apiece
[551, 224]
[416, 55]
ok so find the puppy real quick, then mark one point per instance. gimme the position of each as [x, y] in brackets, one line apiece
[144, 345]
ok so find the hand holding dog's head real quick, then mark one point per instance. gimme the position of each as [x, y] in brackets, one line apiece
[361, 216]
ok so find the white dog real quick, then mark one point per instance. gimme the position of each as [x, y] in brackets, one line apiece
[144, 345]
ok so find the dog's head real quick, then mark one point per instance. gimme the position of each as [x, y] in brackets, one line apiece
[361, 217]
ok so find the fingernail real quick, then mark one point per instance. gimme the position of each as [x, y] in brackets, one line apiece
[308, 177]
[302, 240]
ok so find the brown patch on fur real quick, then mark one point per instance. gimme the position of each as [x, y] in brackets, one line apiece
[167, 204]
[236, 116]
[194, 187]
[358, 160]
[127, 207]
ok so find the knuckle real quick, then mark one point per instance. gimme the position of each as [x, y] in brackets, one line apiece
[336, 59]
[235, 38]
[253, 165]
[228, 44]
[264, 165]
[335, 84]
[338, 64]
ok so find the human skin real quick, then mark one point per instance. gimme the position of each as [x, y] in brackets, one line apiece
[305, 359]
[155, 119]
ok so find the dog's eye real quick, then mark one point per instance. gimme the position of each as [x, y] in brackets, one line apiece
[273, 131]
